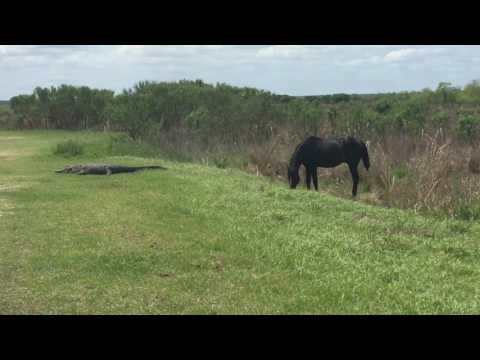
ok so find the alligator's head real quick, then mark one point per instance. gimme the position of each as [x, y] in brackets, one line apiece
[70, 169]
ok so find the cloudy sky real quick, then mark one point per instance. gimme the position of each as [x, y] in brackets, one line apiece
[282, 69]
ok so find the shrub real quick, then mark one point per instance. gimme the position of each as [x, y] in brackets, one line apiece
[468, 127]
[122, 144]
[400, 171]
[467, 212]
[69, 148]
[440, 119]
[220, 161]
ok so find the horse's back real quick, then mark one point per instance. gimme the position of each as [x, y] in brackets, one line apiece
[323, 152]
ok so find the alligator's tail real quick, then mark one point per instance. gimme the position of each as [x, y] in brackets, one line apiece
[138, 168]
[152, 167]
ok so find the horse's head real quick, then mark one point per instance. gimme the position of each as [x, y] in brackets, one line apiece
[293, 178]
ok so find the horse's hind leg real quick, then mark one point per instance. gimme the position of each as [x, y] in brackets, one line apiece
[309, 177]
[315, 178]
[355, 178]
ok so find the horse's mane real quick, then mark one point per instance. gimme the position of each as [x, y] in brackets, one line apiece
[294, 157]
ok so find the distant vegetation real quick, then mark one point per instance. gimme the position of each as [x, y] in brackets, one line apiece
[421, 142]
[6, 115]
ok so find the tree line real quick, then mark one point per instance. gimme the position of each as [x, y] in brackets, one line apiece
[223, 113]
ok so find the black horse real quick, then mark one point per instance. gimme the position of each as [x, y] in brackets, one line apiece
[317, 152]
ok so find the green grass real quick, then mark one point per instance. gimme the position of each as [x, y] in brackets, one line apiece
[204, 240]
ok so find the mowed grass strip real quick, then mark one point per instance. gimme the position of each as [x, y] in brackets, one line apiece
[201, 240]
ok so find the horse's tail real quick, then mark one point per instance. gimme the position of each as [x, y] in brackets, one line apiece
[365, 157]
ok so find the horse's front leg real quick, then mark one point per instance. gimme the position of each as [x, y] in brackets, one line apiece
[355, 178]
[315, 178]
[309, 177]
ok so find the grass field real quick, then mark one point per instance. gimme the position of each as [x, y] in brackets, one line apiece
[202, 240]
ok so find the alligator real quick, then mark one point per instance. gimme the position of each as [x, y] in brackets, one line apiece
[100, 169]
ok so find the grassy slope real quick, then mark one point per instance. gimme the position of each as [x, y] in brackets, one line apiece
[197, 239]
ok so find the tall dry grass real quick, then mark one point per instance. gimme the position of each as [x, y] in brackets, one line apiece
[430, 172]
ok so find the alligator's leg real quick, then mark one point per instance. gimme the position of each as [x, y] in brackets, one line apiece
[109, 171]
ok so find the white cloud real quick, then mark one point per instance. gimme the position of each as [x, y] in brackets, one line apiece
[369, 60]
[283, 51]
[394, 56]
[398, 55]
[408, 53]
[130, 49]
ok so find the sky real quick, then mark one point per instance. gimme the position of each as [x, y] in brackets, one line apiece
[282, 69]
